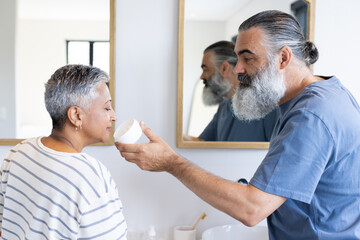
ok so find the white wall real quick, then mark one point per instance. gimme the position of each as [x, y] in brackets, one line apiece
[337, 36]
[42, 41]
[146, 56]
[7, 67]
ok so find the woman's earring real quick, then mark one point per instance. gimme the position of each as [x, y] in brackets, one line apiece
[78, 127]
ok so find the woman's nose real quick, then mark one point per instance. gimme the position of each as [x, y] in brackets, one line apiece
[113, 116]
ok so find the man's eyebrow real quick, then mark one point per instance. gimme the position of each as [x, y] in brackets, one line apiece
[244, 51]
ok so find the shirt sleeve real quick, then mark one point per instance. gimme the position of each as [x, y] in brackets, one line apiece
[297, 157]
[103, 218]
[3, 184]
[1, 201]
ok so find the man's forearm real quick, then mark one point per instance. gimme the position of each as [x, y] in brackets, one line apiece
[235, 199]
[243, 202]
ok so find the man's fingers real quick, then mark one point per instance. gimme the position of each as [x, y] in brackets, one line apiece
[128, 156]
[134, 158]
[127, 147]
[149, 133]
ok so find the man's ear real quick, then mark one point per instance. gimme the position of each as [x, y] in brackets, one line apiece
[224, 68]
[75, 116]
[285, 56]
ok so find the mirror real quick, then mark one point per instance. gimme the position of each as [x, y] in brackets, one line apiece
[202, 23]
[42, 36]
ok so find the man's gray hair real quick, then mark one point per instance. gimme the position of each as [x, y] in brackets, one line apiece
[223, 51]
[72, 85]
[281, 30]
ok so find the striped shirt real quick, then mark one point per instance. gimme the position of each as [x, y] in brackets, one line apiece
[47, 194]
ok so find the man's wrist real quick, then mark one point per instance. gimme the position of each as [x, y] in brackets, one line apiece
[178, 165]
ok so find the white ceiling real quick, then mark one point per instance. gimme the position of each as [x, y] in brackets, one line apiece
[64, 9]
[212, 10]
[206, 10]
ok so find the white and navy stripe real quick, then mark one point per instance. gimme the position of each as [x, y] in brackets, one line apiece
[53, 195]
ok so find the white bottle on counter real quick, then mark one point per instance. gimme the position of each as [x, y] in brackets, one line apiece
[151, 234]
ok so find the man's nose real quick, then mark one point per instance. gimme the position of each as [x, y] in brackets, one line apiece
[239, 68]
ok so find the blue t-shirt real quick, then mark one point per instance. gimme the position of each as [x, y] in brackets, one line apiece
[314, 161]
[226, 127]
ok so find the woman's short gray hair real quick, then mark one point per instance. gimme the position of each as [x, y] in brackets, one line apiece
[72, 85]
[281, 30]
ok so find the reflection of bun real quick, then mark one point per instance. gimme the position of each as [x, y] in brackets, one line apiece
[311, 53]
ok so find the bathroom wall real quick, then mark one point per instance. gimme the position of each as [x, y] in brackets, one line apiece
[146, 68]
[337, 36]
[7, 67]
[38, 41]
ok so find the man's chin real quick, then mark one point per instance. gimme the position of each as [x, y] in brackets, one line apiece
[249, 108]
[211, 100]
[251, 115]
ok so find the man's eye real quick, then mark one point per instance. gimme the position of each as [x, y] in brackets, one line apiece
[246, 59]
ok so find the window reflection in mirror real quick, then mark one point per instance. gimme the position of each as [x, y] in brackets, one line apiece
[36, 47]
[206, 23]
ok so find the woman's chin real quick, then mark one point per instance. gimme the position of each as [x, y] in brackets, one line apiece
[106, 138]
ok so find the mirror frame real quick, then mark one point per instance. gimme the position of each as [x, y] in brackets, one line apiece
[180, 143]
[112, 21]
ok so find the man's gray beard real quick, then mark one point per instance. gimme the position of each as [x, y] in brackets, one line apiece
[266, 89]
[216, 91]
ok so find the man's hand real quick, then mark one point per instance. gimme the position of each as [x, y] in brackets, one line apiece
[243, 202]
[155, 155]
[191, 138]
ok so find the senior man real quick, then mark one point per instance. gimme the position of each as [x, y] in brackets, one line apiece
[220, 84]
[308, 185]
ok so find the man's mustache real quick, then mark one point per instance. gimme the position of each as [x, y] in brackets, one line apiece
[205, 82]
[244, 79]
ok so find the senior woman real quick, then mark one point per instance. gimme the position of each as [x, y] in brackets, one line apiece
[49, 188]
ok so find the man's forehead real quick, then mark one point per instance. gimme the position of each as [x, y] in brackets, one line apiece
[248, 39]
[208, 54]
[208, 57]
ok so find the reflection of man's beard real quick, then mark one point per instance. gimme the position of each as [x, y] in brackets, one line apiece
[261, 96]
[215, 90]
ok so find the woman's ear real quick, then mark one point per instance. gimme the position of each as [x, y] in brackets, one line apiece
[224, 68]
[285, 57]
[75, 116]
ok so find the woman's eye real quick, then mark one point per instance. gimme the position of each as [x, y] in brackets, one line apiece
[108, 109]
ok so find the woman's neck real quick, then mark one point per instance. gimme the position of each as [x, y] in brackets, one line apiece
[62, 142]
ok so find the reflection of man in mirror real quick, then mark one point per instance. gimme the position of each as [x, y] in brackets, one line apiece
[220, 84]
[308, 185]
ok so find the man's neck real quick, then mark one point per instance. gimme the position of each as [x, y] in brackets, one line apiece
[295, 83]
